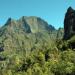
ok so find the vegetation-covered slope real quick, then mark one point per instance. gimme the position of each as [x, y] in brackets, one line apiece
[29, 46]
[27, 32]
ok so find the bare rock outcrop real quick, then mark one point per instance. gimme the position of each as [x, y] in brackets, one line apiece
[69, 23]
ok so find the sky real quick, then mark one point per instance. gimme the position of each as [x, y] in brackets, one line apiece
[52, 11]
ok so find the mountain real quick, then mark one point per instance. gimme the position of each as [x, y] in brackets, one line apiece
[69, 30]
[30, 46]
[69, 23]
[26, 33]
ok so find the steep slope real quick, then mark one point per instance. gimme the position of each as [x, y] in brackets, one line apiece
[68, 41]
[27, 33]
[69, 23]
[36, 24]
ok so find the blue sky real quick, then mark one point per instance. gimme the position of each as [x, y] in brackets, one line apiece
[52, 11]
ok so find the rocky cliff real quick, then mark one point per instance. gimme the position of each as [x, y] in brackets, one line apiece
[69, 23]
[26, 33]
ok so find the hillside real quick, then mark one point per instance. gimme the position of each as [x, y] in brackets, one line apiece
[28, 32]
[31, 46]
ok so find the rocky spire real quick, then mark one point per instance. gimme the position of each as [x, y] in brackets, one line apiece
[10, 20]
[69, 23]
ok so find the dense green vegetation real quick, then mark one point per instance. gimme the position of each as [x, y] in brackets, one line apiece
[59, 60]
[29, 46]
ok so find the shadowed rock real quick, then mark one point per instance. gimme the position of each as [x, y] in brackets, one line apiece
[69, 23]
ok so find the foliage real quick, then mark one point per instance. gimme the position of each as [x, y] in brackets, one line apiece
[24, 52]
[39, 62]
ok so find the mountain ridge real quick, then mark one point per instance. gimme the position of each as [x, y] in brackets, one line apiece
[26, 30]
[30, 46]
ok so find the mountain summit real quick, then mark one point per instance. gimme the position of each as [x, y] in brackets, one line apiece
[29, 24]
[30, 46]
[35, 24]
[69, 23]
[26, 33]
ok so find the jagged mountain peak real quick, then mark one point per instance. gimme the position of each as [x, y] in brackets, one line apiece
[70, 9]
[10, 21]
[29, 31]
[69, 23]
[29, 24]
[31, 19]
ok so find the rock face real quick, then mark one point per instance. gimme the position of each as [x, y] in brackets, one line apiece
[26, 33]
[69, 23]
[29, 24]
[33, 24]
